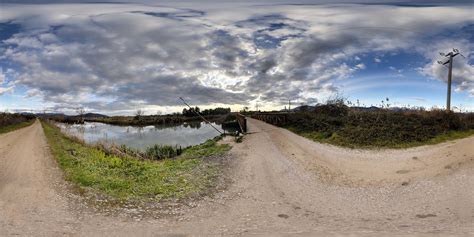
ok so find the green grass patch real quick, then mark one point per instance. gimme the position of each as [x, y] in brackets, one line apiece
[336, 139]
[209, 148]
[14, 127]
[127, 178]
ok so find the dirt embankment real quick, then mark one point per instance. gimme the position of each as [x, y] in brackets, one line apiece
[282, 183]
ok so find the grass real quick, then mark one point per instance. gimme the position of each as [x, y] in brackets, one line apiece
[127, 178]
[209, 148]
[337, 140]
[13, 127]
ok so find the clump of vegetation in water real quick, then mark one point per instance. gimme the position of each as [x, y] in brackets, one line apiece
[126, 177]
[159, 152]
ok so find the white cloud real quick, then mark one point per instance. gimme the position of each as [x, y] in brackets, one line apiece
[2, 76]
[5, 89]
[115, 56]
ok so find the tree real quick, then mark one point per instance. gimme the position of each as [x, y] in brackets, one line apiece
[139, 113]
[191, 112]
[80, 112]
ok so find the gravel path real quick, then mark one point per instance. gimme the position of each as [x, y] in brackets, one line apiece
[282, 184]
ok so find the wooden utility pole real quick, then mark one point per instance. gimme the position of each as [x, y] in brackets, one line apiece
[450, 60]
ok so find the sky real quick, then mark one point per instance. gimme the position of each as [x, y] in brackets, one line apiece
[116, 57]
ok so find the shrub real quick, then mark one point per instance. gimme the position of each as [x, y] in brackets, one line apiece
[7, 119]
[159, 152]
[339, 124]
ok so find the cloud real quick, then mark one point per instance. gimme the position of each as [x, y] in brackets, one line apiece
[120, 56]
[3, 78]
[463, 71]
[394, 2]
[419, 99]
[5, 89]
[463, 74]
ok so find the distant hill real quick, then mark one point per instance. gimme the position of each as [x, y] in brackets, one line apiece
[87, 115]
[95, 115]
[49, 114]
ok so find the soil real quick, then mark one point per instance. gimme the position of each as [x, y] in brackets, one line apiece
[281, 183]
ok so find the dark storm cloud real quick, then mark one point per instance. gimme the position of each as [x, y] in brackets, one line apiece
[189, 88]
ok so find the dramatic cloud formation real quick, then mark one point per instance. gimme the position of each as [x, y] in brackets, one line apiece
[124, 56]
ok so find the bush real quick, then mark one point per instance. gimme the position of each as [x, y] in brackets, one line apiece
[159, 152]
[341, 125]
[7, 119]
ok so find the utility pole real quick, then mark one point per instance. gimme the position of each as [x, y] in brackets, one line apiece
[450, 60]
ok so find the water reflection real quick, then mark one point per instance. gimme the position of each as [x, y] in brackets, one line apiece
[187, 134]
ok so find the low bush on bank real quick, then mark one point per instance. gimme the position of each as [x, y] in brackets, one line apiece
[159, 152]
[127, 177]
[341, 125]
[10, 122]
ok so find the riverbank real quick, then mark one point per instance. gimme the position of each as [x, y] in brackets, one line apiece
[126, 178]
[151, 120]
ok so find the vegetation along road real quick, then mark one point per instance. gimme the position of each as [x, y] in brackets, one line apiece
[281, 183]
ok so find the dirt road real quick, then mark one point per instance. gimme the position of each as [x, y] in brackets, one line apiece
[282, 183]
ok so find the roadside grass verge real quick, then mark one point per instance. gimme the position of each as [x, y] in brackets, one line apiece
[13, 127]
[335, 139]
[128, 178]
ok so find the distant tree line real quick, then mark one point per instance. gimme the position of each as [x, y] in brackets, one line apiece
[217, 111]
